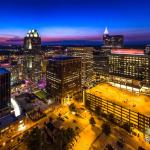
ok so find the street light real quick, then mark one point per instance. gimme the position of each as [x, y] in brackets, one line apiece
[4, 143]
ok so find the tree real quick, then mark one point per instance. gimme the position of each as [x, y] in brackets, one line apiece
[72, 107]
[34, 140]
[64, 138]
[111, 118]
[87, 103]
[106, 128]
[50, 119]
[92, 121]
[59, 115]
[97, 110]
[127, 127]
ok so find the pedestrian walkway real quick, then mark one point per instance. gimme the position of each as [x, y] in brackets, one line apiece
[87, 136]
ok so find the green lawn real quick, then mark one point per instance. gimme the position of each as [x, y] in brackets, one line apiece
[41, 94]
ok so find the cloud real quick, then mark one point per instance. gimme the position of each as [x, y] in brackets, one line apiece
[10, 39]
[69, 32]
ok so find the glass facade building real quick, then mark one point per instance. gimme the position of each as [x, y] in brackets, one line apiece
[86, 55]
[63, 77]
[32, 63]
[130, 71]
[32, 42]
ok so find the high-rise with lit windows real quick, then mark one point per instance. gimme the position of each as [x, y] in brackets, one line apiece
[32, 42]
[113, 40]
[63, 77]
[130, 69]
[86, 55]
[32, 56]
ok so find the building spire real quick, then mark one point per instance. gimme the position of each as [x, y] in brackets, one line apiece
[106, 31]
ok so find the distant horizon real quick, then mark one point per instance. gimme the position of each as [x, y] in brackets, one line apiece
[80, 43]
[134, 39]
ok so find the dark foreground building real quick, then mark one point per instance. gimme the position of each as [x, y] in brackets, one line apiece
[4, 92]
[63, 77]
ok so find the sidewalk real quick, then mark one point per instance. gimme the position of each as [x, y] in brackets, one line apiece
[87, 136]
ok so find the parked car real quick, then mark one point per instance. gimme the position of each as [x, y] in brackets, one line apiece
[108, 147]
[141, 148]
[74, 121]
[66, 117]
[120, 142]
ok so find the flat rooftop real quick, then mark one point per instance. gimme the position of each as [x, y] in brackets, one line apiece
[9, 119]
[61, 58]
[128, 51]
[136, 102]
[3, 71]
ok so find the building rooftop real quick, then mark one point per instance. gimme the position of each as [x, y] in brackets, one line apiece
[3, 71]
[33, 33]
[61, 58]
[135, 102]
[9, 119]
[128, 51]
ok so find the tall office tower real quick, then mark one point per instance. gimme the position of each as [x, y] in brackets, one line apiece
[9, 59]
[101, 56]
[33, 68]
[4, 92]
[32, 42]
[147, 50]
[63, 77]
[130, 69]
[106, 37]
[86, 54]
[32, 57]
[113, 40]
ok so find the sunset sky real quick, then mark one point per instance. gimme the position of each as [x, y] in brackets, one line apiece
[74, 19]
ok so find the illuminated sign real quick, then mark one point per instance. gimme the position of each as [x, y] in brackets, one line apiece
[128, 51]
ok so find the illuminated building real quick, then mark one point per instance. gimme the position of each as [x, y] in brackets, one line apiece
[32, 63]
[113, 40]
[121, 114]
[147, 50]
[101, 55]
[32, 68]
[86, 54]
[12, 61]
[63, 77]
[4, 92]
[130, 69]
[13, 67]
[32, 42]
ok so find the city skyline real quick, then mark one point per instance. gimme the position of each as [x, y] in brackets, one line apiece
[74, 20]
[75, 75]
